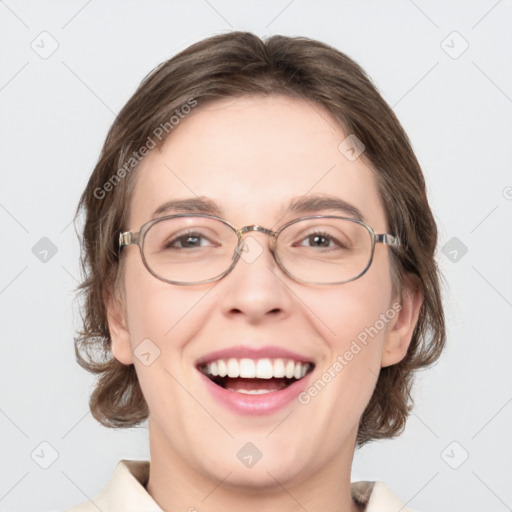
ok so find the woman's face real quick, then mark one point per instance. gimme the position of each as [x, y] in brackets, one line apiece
[252, 156]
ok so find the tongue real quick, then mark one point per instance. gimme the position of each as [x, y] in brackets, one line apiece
[252, 384]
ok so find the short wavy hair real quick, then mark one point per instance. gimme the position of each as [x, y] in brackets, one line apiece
[232, 65]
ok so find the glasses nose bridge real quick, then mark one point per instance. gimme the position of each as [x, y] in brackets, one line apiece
[260, 229]
[255, 227]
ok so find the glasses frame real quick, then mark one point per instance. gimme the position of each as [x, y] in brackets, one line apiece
[128, 238]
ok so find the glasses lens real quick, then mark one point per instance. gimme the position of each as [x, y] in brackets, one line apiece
[325, 250]
[189, 249]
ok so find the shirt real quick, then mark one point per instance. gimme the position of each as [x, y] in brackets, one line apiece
[125, 492]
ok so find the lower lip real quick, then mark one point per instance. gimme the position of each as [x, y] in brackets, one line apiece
[266, 403]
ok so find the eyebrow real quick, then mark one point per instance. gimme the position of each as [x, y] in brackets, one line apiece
[317, 203]
[298, 206]
[189, 205]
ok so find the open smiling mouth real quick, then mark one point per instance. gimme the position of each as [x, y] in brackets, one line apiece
[255, 376]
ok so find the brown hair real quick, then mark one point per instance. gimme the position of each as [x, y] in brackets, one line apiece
[236, 64]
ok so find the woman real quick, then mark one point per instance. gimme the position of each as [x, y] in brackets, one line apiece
[284, 288]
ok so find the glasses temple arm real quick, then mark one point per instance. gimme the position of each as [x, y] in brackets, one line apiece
[128, 238]
[386, 239]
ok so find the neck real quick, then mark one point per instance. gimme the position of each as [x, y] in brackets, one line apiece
[176, 485]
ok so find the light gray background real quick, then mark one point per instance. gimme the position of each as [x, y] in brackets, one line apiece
[457, 112]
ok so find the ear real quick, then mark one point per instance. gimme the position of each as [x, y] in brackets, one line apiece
[117, 326]
[399, 334]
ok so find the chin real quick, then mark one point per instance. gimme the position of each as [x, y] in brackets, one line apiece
[261, 464]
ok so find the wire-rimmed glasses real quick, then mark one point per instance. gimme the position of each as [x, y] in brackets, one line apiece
[188, 249]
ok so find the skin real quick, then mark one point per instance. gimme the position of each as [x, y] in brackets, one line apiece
[252, 155]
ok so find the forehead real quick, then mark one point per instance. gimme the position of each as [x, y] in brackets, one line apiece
[251, 156]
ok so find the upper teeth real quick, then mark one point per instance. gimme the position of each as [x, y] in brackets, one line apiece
[259, 368]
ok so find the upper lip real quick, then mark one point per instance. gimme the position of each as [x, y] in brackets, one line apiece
[244, 351]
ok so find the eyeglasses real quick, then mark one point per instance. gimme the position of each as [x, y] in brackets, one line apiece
[187, 249]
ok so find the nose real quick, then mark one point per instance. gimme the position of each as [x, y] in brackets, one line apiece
[256, 289]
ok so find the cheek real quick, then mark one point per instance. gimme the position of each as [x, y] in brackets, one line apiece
[353, 321]
[161, 318]
[356, 341]
[156, 310]
[145, 319]
[348, 319]
[356, 307]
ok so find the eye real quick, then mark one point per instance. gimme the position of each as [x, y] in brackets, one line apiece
[188, 240]
[321, 239]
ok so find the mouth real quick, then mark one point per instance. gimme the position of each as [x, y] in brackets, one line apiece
[255, 376]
